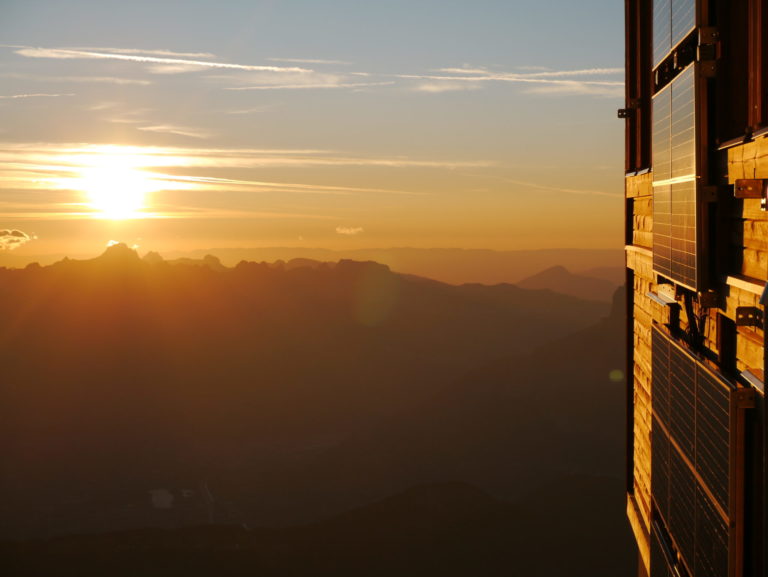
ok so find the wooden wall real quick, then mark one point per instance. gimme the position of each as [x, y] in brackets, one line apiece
[640, 261]
[745, 275]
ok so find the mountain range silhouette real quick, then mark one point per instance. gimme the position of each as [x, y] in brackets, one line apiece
[284, 394]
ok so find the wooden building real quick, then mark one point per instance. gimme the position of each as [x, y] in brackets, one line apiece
[697, 266]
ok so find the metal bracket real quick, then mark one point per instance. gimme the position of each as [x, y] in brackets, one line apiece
[661, 299]
[750, 188]
[629, 111]
[749, 317]
[745, 398]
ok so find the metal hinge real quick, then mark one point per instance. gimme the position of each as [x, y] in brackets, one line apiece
[708, 50]
[709, 39]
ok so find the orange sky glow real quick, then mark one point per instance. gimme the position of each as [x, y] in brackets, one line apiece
[177, 140]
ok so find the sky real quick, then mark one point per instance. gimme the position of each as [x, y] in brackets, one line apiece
[341, 124]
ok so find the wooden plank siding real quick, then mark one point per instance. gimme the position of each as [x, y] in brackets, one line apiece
[749, 243]
[740, 287]
[749, 234]
[645, 309]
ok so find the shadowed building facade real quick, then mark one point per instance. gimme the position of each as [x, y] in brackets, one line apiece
[697, 264]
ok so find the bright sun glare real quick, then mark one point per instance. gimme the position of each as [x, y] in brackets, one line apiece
[115, 186]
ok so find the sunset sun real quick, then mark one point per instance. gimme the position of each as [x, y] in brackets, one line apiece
[115, 188]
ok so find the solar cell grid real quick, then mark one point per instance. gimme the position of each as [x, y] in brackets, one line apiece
[682, 505]
[674, 181]
[699, 530]
[683, 19]
[662, 30]
[660, 448]
[713, 435]
[711, 553]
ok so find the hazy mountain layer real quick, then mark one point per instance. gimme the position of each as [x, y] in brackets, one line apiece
[561, 280]
[140, 393]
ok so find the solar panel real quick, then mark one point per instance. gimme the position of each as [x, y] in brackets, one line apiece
[682, 398]
[712, 535]
[682, 506]
[713, 436]
[660, 448]
[692, 454]
[662, 30]
[683, 19]
[673, 20]
[674, 180]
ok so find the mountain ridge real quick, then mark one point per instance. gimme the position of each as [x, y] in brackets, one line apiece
[451, 265]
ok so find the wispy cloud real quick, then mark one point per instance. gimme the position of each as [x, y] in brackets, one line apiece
[309, 61]
[173, 129]
[167, 53]
[550, 188]
[76, 155]
[77, 211]
[172, 172]
[11, 239]
[538, 73]
[594, 81]
[33, 95]
[78, 79]
[296, 81]
[313, 85]
[261, 185]
[118, 114]
[463, 70]
[580, 81]
[167, 64]
[349, 230]
[445, 86]
[576, 87]
[252, 110]
[101, 80]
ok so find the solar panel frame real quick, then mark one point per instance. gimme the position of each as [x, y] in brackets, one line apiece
[676, 167]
